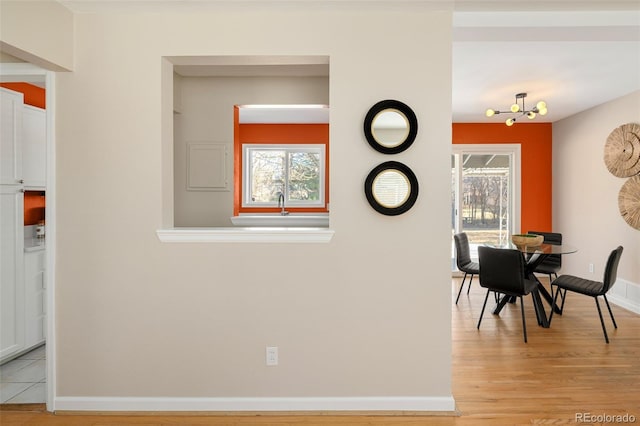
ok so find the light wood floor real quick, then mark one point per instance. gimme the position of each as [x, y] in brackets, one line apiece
[497, 378]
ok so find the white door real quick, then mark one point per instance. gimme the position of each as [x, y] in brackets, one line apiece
[34, 147]
[12, 270]
[485, 193]
[10, 137]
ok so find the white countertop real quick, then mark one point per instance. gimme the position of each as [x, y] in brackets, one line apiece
[34, 244]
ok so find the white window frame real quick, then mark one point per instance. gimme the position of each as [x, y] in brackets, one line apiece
[247, 177]
[515, 184]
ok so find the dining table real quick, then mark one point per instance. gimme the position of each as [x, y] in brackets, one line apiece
[534, 255]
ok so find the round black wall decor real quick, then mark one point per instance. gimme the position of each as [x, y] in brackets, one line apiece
[391, 188]
[390, 126]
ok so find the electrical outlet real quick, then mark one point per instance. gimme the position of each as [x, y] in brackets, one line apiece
[272, 355]
[591, 268]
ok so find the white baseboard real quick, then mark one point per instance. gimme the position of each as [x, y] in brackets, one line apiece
[626, 295]
[414, 404]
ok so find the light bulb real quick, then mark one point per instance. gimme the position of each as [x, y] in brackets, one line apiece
[542, 107]
[510, 121]
[490, 112]
[531, 115]
[515, 108]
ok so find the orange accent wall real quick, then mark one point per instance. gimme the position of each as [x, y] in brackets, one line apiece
[34, 205]
[535, 140]
[33, 95]
[276, 133]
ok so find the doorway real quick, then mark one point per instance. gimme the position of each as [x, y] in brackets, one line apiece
[485, 194]
[44, 355]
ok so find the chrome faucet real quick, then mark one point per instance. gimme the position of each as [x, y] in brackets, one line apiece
[283, 212]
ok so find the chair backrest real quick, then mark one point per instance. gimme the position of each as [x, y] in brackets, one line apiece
[554, 238]
[502, 270]
[549, 237]
[463, 254]
[611, 270]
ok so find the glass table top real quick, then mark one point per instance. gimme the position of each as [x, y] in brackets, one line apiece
[543, 248]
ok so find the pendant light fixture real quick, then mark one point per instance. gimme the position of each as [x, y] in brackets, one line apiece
[519, 109]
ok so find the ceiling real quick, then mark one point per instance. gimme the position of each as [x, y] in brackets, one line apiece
[572, 60]
[573, 54]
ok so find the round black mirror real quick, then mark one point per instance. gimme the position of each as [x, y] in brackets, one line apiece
[391, 188]
[390, 126]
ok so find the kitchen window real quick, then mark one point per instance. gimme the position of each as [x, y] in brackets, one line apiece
[295, 171]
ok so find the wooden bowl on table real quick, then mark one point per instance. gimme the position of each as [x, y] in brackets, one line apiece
[527, 240]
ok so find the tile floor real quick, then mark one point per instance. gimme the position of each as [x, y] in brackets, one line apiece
[23, 380]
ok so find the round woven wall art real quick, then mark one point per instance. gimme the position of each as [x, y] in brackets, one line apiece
[622, 150]
[629, 201]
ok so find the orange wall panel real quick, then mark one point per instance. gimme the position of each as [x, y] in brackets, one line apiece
[34, 205]
[33, 95]
[535, 140]
[281, 134]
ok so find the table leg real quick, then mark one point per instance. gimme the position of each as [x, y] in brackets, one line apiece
[543, 321]
[503, 301]
[547, 296]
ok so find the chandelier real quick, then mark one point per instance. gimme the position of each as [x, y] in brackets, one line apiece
[519, 108]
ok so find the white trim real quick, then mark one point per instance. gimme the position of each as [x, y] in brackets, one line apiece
[514, 149]
[245, 235]
[409, 403]
[50, 218]
[247, 173]
[621, 293]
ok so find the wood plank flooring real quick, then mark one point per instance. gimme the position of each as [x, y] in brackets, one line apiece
[564, 371]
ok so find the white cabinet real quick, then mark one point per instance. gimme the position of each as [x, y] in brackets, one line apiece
[11, 109]
[22, 149]
[34, 298]
[11, 225]
[12, 300]
[34, 147]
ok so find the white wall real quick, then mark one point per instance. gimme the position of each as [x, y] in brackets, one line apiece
[585, 195]
[364, 316]
[207, 116]
[37, 31]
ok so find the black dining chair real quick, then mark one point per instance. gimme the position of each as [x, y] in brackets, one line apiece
[503, 271]
[591, 288]
[552, 263]
[463, 260]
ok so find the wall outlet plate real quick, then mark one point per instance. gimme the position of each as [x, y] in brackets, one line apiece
[272, 355]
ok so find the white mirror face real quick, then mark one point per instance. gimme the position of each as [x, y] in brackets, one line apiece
[390, 128]
[391, 188]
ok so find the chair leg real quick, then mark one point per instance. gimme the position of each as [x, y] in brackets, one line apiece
[555, 299]
[461, 286]
[604, 329]
[469, 287]
[535, 298]
[483, 306]
[564, 297]
[524, 323]
[610, 312]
